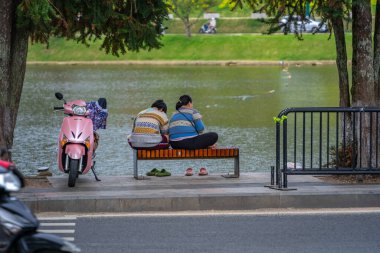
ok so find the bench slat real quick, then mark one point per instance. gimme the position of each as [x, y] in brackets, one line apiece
[145, 154]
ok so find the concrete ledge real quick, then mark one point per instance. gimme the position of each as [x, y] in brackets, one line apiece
[180, 193]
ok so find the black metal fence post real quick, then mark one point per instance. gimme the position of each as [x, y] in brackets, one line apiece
[285, 154]
[278, 152]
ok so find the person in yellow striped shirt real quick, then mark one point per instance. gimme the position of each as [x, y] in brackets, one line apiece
[150, 129]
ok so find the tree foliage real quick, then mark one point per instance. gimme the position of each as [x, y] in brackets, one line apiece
[121, 25]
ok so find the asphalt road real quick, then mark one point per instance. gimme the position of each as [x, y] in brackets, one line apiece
[311, 232]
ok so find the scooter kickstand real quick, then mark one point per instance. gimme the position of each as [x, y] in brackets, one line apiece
[93, 171]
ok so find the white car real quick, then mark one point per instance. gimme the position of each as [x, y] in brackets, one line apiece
[297, 25]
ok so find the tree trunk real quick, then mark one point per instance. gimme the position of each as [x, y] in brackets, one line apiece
[362, 57]
[376, 54]
[186, 22]
[363, 85]
[5, 56]
[13, 53]
[346, 136]
[376, 66]
[341, 61]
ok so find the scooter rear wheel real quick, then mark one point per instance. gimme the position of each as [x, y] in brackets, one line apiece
[73, 171]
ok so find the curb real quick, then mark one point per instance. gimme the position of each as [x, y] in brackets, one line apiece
[202, 203]
[180, 193]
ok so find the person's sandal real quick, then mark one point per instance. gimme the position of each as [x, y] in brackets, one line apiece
[189, 172]
[203, 172]
[163, 173]
[153, 172]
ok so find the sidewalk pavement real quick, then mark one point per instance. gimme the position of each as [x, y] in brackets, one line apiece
[194, 193]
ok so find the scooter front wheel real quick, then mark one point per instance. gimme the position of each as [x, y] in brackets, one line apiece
[73, 171]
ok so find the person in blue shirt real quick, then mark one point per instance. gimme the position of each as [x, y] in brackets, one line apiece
[186, 128]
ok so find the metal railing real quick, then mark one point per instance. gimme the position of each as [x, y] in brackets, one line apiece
[326, 140]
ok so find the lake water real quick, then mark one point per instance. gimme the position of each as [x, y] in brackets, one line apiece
[237, 102]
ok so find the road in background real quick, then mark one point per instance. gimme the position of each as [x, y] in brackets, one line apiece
[311, 232]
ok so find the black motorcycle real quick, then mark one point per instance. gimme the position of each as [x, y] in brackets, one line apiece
[18, 225]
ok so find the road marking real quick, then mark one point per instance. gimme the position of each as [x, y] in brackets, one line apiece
[52, 224]
[61, 226]
[41, 218]
[70, 239]
[57, 231]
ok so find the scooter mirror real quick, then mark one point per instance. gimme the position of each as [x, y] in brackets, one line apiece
[59, 95]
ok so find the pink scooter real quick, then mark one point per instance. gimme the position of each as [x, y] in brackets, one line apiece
[76, 140]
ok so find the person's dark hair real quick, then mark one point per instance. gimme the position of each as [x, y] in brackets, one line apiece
[102, 102]
[160, 104]
[183, 100]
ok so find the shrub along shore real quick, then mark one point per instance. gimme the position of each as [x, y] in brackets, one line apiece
[211, 49]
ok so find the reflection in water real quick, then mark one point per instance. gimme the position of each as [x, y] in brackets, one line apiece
[237, 102]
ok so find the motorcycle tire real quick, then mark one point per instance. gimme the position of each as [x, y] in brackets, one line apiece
[73, 171]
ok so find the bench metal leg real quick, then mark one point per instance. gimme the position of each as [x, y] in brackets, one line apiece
[236, 169]
[237, 166]
[135, 168]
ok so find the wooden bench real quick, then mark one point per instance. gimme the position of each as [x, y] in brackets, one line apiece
[175, 154]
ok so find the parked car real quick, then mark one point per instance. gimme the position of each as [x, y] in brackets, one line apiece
[297, 25]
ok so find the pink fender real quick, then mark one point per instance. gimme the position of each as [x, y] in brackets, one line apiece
[75, 151]
[77, 129]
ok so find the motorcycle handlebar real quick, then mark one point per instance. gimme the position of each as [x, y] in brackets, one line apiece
[58, 108]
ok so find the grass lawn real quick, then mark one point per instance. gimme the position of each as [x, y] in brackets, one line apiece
[201, 47]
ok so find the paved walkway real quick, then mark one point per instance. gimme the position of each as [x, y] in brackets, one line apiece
[195, 193]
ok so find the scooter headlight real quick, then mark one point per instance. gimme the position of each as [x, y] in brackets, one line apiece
[64, 140]
[79, 110]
